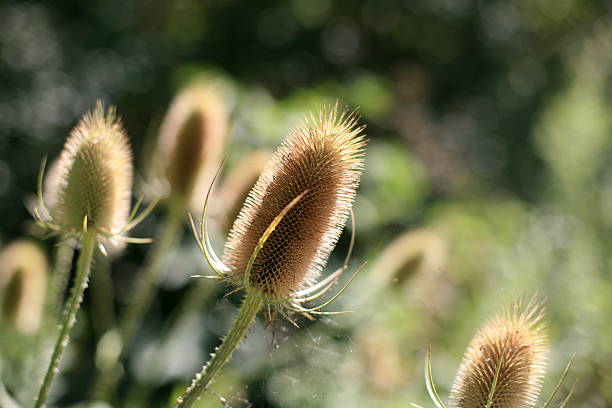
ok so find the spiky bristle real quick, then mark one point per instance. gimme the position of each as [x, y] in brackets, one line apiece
[322, 155]
[513, 343]
[94, 175]
[191, 139]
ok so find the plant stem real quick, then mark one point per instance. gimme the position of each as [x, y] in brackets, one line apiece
[149, 277]
[61, 272]
[88, 245]
[144, 290]
[101, 295]
[251, 304]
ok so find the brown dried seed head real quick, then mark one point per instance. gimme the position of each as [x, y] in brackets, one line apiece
[191, 139]
[23, 281]
[323, 155]
[515, 338]
[93, 177]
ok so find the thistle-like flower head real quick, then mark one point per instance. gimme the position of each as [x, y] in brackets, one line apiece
[23, 281]
[89, 186]
[511, 351]
[190, 143]
[323, 157]
[293, 216]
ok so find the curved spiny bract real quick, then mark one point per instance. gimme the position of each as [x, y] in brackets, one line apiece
[190, 144]
[322, 156]
[93, 177]
[514, 344]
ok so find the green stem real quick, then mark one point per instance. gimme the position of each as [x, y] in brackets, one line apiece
[101, 295]
[251, 304]
[61, 272]
[148, 278]
[88, 245]
[196, 298]
[144, 290]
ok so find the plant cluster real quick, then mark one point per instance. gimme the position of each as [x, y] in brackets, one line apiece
[289, 210]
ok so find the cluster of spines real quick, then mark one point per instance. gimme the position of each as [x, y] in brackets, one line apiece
[92, 180]
[322, 158]
[505, 363]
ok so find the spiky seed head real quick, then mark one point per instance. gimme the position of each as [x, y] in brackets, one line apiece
[93, 177]
[514, 339]
[190, 143]
[236, 186]
[322, 155]
[23, 281]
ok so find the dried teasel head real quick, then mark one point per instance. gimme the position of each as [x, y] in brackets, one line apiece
[89, 186]
[94, 176]
[505, 363]
[23, 282]
[293, 216]
[190, 143]
[321, 158]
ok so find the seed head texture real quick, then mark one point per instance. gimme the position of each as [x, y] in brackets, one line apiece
[516, 340]
[322, 155]
[93, 178]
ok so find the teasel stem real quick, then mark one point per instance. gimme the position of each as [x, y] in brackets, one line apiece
[146, 282]
[61, 272]
[251, 305]
[102, 295]
[88, 245]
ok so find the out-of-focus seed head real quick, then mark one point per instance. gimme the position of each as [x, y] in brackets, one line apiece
[322, 155]
[93, 177]
[236, 186]
[23, 281]
[190, 143]
[414, 264]
[416, 251]
[517, 341]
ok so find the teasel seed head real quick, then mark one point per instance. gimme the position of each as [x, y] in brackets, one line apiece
[416, 251]
[190, 143]
[93, 178]
[322, 158]
[512, 345]
[23, 282]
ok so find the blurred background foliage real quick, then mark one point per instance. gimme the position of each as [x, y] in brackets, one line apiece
[489, 176]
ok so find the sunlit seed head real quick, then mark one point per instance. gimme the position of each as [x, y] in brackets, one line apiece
[23, 281]
[190, 143]
[323, 155]
[236, 186]
[93, 177]
[517, 340]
